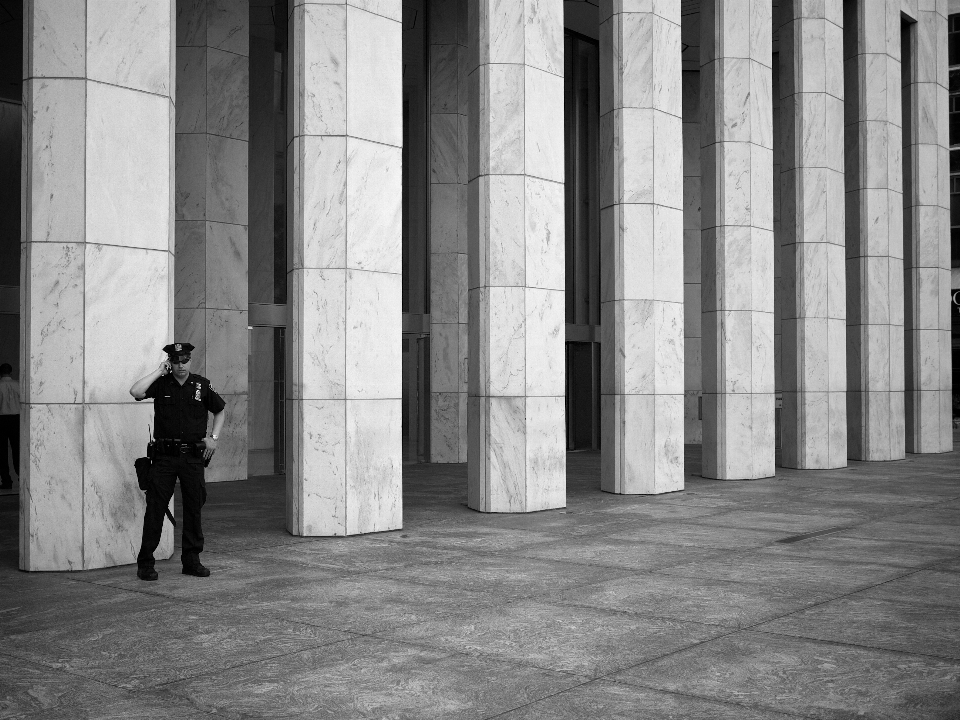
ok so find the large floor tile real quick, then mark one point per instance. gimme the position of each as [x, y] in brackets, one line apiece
[359, 604]
[354, 554]
[231, 574]
[939, 534]
[925, 587]
[877, 552]
[939, 514]
[154, 647]
[371, 678]
[139, 705]
[579, 640]
[721, 538]
[239, 533]
[784, 523]
[604, 700]
[717, 602]
[857, 620]
[566, 523]
[623, 554]
[809, 678]
[661, 508]
[469, 536]
[507, 576]
[65, 603]
[789, 571]
[952, 565]
[28, 688]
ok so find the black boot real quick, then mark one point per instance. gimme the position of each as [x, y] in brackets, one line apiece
[197, 570]
[147, 573]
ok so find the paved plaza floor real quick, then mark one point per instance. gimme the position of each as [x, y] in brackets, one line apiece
[812, 594]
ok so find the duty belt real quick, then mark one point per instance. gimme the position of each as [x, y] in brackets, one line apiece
[175, 446]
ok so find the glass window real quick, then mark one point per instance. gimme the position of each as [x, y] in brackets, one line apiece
[581, 136]
[953, 39]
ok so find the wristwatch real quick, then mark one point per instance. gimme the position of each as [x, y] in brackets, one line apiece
[214, 437]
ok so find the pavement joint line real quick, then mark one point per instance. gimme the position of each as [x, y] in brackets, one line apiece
[841, 596]
[479, 655]
[534, 702]
[646, 616]
[774, 633]
[732, 631]
[839, 643]
[708, 698]
[247, 663]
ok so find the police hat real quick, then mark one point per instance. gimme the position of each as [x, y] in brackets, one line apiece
[177, 349]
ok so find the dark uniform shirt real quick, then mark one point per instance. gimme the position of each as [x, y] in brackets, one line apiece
[180, 411]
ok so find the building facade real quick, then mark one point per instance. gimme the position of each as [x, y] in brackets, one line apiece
[471, 231]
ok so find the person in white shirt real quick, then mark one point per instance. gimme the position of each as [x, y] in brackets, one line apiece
[9, 425]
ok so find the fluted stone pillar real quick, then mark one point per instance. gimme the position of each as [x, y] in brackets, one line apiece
[515, 409]
[737, 251]
[641, 235]
[874, 229]
[926, 225]
[212, 139]
[97, 290]
[448, 231]
[344, 325]
[814, 417]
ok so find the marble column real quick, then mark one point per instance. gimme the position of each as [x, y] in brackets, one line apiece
[874, 229]
[692, 352]
[345, 264]
[212, 140]
[926, 257]
[97, 271]
[737, 236]
[448, 230]
[515, 409]
[814, 416]
[641, 235]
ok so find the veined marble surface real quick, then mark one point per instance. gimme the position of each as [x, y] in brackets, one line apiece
[642, 221]
[737, 261]
[874, 234]
[98, 269]
[343, 406]
[812, 214]
[213, 86]
[516, 457]
[928, 363]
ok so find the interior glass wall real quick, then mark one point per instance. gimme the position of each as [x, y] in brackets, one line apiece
[267, 235]
[954, 60]
[11, 104]
[416, 247]
[581, 133]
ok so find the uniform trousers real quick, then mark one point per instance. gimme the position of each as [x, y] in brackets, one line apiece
[9, 435]
[163, 478]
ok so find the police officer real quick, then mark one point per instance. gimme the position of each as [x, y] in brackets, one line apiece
[181, 401]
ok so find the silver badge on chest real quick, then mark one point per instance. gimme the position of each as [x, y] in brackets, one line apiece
[196, 395]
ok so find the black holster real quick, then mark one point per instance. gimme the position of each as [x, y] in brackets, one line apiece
[143, 466]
